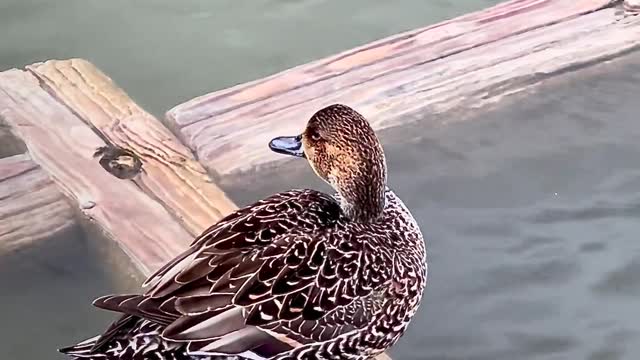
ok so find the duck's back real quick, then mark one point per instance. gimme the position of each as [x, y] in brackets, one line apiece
[284, 277]
[187, 278]
[404, 227]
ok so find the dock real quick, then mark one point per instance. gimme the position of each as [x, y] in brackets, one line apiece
[76, 150]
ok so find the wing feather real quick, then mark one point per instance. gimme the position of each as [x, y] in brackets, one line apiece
[287, 265]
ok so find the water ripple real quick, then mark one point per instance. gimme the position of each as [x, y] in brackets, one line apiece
[600, 209]
[623, 281]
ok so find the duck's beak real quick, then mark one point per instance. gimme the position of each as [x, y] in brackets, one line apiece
[288, 145]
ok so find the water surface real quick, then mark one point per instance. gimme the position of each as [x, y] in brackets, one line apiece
[46, 292]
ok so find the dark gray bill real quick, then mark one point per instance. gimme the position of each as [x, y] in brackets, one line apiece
[288, 145]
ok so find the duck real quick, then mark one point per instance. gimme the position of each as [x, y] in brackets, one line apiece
[300, 274]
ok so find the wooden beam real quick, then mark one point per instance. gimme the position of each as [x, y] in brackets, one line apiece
[31, 206]
[460, 64]
[63, 145]
[631, 6]
[170, 173]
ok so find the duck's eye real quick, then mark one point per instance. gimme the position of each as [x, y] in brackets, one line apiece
[315, 135]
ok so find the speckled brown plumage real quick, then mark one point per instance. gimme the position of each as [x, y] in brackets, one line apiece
[343, 149]
[298, 275]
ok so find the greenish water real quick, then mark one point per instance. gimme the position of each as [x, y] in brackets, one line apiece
[46, 292]
[165, 52]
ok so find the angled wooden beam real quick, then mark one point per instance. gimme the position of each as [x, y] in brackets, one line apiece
[32, 208]
[63, 145]
[169, 173]
[632, 6]
[436, 72]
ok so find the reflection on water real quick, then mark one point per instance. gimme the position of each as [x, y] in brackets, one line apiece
[532, 216]
[46, 294]
[164, 52]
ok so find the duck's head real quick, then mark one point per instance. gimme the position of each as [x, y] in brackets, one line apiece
[343, 150]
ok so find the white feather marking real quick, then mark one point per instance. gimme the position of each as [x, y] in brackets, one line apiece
[220, 318]
[247, 355]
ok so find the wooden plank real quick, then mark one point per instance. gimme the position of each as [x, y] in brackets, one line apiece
[63, 145]
[171, 174]
[632, 6]
[464, 63]
[32, 209]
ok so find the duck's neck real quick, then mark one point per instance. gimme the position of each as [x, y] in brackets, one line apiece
[362, 198]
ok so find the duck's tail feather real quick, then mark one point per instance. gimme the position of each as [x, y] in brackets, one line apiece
[131, 337]
[128, 338]
[123, 324]
[83, 350]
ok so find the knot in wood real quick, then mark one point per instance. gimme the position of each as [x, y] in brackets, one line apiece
[119, 162]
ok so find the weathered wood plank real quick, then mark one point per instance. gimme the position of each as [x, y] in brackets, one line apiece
[63, 145]
[171, 174]
[632, 6]
[464, 63]
[32, 208]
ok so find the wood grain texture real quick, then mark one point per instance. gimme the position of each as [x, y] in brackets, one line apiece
[461, 64]
[171, 174]
[32, 208]
[63, 145]
[632, 6]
